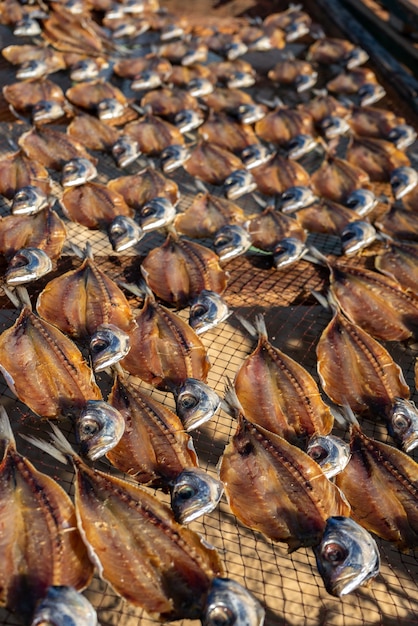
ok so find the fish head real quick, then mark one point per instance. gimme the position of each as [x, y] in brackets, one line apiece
[194, 55]
[238, 184]
[171, 31]
[124, 233]
[47, 111]
[288, 251]
[173, 157]
[147, 79]
[300, 145]
[250, 113]
[125, 150]
[27, 27]
[357, 235]
[369, 93]
[402, 180]
[402, 135]
[304, 82]
[77, 172]
[199, 87]
[29, 200]
[196, 403]
[193, 493]
[76, 7]
[156, 213]
[134, 7]
[229, 603]
[347, 556]
[240, 80]
[295, 198]
[330, 452]
[187, 120]
[108, 345]
[362, 201]
[235, 49]
[230, 241]
[27, 265]
[403, 423]
[84, 69]
[64, 606]
[356, 57]
[207, 310]
[110, 109]
[254, 155]
[334, 126]
[99, 428]
[33, 68]
[129, 29]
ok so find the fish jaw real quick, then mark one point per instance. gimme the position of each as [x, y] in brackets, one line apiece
[194, 493]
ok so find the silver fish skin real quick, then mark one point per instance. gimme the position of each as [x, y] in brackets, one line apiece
[288, 251]
[231, 241]
[250, 113]
[240, 80]
[77, 172]
[357, 235]
[402, 136]
[64, 606]
[108, 345]
[125, 151]
[334, 126]
[27, 265]
[188, 120]
[228, 602]
[84, 69]
[196, 403]
[145, 80]
[110, 109]
[207, 310]
[235, 50]
[295, 198]
[402, 422]
[330, 452]
[255, 155]
[156, 213]
[99, 427]
[171, 31]
[238, 184]
[300, 145]
[193, 494]
[47, 111]
[33, 68]
[27, 27]
[362, 201]
[199, 87]
[402, 181]
[29, 200]
[347, 556]
[173, 157]
[355, 58]
[369, 93]
[124, 233]
[306, 81]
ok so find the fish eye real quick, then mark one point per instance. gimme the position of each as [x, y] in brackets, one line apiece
[222, 240]
[318, 453]
[347, 236]
[185, 492]
[98, 345]
[147, 210]
[401, 422]
[221, 615]
[188, 401]
[334, 553]
[22, 196]
[89, 427]
[198, 310]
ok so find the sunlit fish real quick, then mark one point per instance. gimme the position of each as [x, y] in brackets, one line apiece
[27, 27]
[173, 157]
[355, 58]
[125, 151]
[110, 109]
[402, 181]
[356, 236]
[188, 120]
[99, 427]
[229, 602]
[27, 265]
[362, 201]
[240, 80]
[196, 403]
[77, 172]
[207, 310]
[370, 93]
[33, 68]
[402, 420]
[29, 200]
[402, 136]
[254, 155]
[147, 79]
[47, 111]
[108, 345]
[64, 606]
[347, 556]
[250, 113]
[156, 213]
[199, 87]
[330, 452]
[295, 198]
[85, 69]
[230, 241]
[193, 494]
[334, 126]
[239, 183]
[288, 251]
[300, 145]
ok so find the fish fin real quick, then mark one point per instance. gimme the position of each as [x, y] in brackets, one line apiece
[59, 448]
[250, 328]
[316, 256]
[346, 416]
[141, 289]
[6, 432]
[230, 403]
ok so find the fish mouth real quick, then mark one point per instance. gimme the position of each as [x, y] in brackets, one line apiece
[410, 443]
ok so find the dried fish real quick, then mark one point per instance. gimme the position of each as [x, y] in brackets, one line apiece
[288, 251]
[156, 213]
[51, 148]
[373, 121]
[403, 180]
[92, 132]
[336, 178]
[403, 136]
[142, 187]
[377, 157]
[330, 452]
[77, 172]
[231, 240]
[44, 230]
[17, 171]
[207, 214]
[333, 50]
[99, 428]
[123, 233]
[239, 183]
[293, 21]
[49, 60]
[63, 605]
[94, 205]
[207, 310]
[296, 198]
[196, 403]
[254, 155]
[224, 131]
[167, 102]
[29, 200]
[228, 599]
[351, 82]
[23, 96]
[153, 134]
[67, 33]
[325, 216]
[399, 261]
[402, 421]
[125, 151]
[297, 73]
[399, 223]
[278, 174]
[41, 544]
[27, 265]
[211, 163]
[362, 201]
[173, 157]
[108, 345]
[356, 236]
[284, 124]
[101, 98]
[271, 227]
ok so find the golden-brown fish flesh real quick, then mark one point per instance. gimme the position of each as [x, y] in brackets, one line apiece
[297, 73]
[92, 133]
[206, 215]
[153, 134]
[178, 270]
[52, 148]
[68, 33]
[324, 105]
[103, 99]
[41, 545]
[226, 132]
[168, 102]
[377, 157]
[44, 368]
[350, 82]
[399, 260]
[130, 68]
[326, 216]
[399, 223]
[18, 170]
[336, 178]
[373, 121]
[278, 174]
[142, 187]
[25, 95]
[44, 230]
[281, 125]
[93, 205]
[211, 163]
[330, 50]
[271, 226]
[20, 54]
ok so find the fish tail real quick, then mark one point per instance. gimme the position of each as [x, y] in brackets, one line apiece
[260, 326]
[58, 448]
[250, 328]
[6, 432]
[230, 403]
[345, 416]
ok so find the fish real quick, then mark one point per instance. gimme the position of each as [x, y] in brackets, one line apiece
[178, 270]
[67, 33]
[187, 120]
[86, 69]
[207, 310]
[288, 251]
[296, 73]
[27, 265]
[278, 174]
[393, 516]
[323, 105]
[108, 344]
[402, 421]
[399, 223]
[46, 111]
[24, 95]
[166, 102]
[325, 216]
[228, 598]
[225, 131]
[295, 198]
[145, 80]
[51, 148]
[293, 21]
[231, 101]
[347, 556]
[271, 227]
[403, 136]
[151, 560]
[193, 494]
[399, 261]
[238, 183]
[27, 27]
[184, 52]
[199, 87]
[207, 214]
[17, 171]
[211, 163]
[62, 605]
[402, 181]
[254, 155]
[87, 297]
[227, 45]
[377, 157]
[330, 50]
[44, 230]
[293, 504]
[99, 428]
[333, 126]
[373, 121]
[196, 403]
[101, 98]
[362, 201]
[134, 66]
[94, 205]
[284, 124]
[351, 82]
[330, 452]
[139, 188]
[336, 179]
[125, 151]
[153, 134]
[278, 394]
[300, 145]
[165, 350]
[370, 93]
[156, 213]
[50, 60]
[189, 77]
[230, 241]
[29, 200]
[41, 543]
[356, 236]
[173, 157]
[123, 233]
[77, 172]
[248, 113]
[92, 132]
